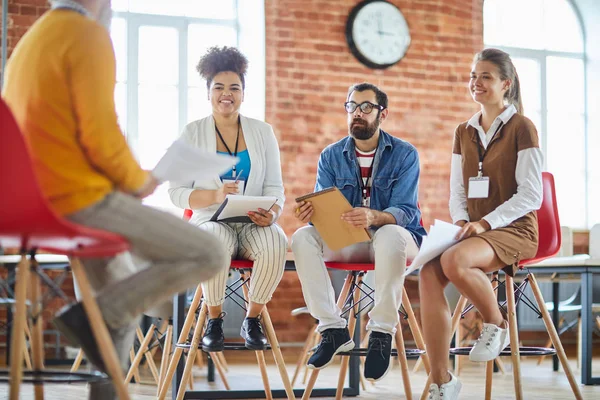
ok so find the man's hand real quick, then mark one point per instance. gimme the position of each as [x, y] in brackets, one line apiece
[472, 229]
[303, 211]
[148, 188]
[262, 217]
[360, 217]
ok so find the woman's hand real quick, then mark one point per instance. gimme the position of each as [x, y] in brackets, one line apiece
[263, 217]
[472, 229]
[227, 188]
[303, 211]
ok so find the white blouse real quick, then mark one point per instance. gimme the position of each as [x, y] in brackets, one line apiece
[528, 176]
[265, 172]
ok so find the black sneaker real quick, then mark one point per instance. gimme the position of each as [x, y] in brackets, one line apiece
[253, 334]
[214, 339]
[377, 363]
[333, 341]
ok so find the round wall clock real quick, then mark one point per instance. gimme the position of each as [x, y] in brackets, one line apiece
[377, 33]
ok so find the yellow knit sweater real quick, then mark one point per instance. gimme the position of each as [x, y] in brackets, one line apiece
[59, 84]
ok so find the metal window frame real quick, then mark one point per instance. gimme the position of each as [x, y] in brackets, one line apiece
[541, 56]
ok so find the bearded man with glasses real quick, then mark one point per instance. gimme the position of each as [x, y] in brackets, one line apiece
[379, 175]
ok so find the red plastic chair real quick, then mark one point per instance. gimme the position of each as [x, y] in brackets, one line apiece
[27, 222]
[549, 246]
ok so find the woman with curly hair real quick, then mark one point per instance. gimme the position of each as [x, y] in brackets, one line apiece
[257, 173]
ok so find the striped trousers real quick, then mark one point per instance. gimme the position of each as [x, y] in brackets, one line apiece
[266, 246]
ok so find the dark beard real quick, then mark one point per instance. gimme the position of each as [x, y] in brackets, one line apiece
[363, 132]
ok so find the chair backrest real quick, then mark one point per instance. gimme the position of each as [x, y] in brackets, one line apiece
[548, 223]
[21, 197]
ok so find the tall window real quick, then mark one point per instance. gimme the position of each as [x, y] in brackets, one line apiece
[157, 45]
[546, 42]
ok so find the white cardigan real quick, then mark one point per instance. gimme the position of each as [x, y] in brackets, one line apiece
[265, 171]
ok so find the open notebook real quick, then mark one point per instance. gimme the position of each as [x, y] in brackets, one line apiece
[235, 207]
[329, 205]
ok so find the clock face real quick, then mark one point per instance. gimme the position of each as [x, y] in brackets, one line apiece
[377, 33]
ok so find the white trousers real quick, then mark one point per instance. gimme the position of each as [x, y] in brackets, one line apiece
[266, 246]
[389, 248]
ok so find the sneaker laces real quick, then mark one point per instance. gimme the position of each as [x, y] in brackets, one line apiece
[326, 337]
[487, 333]
[433, 391]
[378, 344]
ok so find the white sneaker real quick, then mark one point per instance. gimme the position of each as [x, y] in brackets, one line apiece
[446, 391]
[491, 342]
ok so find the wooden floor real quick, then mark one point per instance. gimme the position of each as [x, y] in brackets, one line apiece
[539, 383]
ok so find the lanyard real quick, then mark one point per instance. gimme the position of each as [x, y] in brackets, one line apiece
[482, 154]
[365, 185]
[237, 139]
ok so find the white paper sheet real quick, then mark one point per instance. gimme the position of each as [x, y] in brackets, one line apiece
[439, 239]
[183, 162]
[238, 206]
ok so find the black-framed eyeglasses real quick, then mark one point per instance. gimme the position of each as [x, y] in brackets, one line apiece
[366, 107]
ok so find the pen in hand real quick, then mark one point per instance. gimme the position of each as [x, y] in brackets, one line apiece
[238, 177]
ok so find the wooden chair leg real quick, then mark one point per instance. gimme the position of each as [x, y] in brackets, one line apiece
[164, 361]
[489, 366]
[500, 365]
[183, 336]
[145, 341]
[77, 361]
[260, 358]
[276, 349]
[598, 322]
[548, 344]
[134, 371]
[220, 370]
[148, 355]
[26, 357]
[303, 356]
[403, 362]
[189, 363]
[315, 341]
[100, 331]
[351, 325]
[222, 359]
[560, 351]
[514, 336]
[459, 342]
[37, 333]
[340, 303]
[17, 335]
[415, 330]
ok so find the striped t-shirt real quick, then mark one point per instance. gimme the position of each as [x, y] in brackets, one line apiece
[365, 160]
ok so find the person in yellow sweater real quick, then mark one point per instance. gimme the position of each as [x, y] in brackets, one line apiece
[59, 84]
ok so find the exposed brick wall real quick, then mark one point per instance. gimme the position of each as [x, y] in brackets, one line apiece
[309, 69]
[21, 15]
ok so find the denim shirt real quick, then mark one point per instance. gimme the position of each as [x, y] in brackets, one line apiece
[395, 178]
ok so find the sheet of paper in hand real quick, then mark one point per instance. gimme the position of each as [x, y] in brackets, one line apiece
[440, 238]
[183, 162]
[235, 207]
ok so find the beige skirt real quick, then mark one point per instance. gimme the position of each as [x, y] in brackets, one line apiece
[515, 242]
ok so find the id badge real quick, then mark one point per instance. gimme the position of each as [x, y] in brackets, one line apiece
[479, 187]
[241, 185]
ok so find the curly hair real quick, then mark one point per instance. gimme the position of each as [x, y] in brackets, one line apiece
[222, 59]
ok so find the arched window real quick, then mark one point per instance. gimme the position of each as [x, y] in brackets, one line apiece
[546, 42]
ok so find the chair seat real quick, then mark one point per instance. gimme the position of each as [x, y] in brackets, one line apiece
[239, 264]
[571, 307]
[350, 266]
